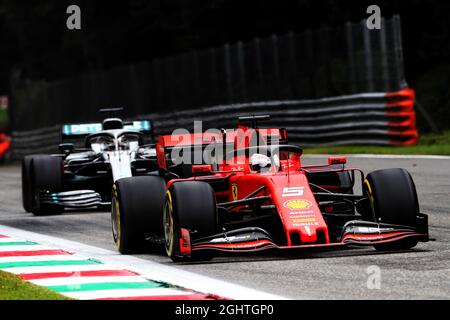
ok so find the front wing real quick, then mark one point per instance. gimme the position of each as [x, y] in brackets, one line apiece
[355, 232]
[77, 199]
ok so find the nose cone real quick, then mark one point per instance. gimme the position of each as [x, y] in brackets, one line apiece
[299, 212]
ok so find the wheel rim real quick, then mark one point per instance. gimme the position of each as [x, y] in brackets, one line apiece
[369, 194]
[168, 225]
[115, 219]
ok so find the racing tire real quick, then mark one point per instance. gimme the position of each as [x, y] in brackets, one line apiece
[45, 174]
[393, 200]
[27, 187]
[136, 210]
[190, 205]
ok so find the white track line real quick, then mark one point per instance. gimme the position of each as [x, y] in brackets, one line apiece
[70, 268]
[8, 240]
[148, 269]
[60, 257]
[31, 247]
[98, 294]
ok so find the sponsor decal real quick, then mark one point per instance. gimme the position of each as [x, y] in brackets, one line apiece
[75, 129]
[143, 125]
[304, 220]
[234, 191]
[87, 128]
[302, 217]
[303, 224]
[297, 204]
[293, 192]
[303, 213]
[231, 239]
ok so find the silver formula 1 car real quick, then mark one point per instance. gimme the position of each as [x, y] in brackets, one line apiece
[80, 177]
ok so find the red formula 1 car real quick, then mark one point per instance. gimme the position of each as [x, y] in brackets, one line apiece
[250, 192]
[5, 148]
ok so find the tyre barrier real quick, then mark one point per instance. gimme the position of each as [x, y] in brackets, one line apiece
[360, 119]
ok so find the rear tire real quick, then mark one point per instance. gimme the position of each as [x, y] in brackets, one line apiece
[190, 205]
[45, 175]
[137, 206]
[393, 200]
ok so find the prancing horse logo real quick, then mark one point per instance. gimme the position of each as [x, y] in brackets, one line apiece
[234, 191]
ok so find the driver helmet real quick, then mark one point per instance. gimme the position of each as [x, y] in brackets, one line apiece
[259, 161]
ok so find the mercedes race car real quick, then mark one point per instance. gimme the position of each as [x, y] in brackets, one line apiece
[251, 192]
[80, 177]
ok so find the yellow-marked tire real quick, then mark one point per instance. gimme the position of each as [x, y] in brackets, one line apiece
[392, 199]
[171, 230]
[190, 205]
[136, 211]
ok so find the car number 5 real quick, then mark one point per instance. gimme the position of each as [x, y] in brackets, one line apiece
[292, 191]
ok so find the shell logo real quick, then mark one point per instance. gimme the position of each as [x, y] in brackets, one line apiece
[297, 204]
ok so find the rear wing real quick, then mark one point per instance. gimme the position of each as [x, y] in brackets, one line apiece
[233, 139]
[73, 131]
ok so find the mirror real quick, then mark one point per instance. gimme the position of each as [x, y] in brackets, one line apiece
[337, 160]
[66, 147]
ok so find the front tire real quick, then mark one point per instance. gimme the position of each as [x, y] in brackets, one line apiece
[190, 205]
[392, 199]
[137, 206]
[27, 187]
[41, 173]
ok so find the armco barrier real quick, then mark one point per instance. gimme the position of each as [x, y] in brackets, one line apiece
[364, 119]
[44, 140]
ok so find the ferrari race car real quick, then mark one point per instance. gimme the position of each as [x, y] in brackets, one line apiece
[81, 177]
[252, 193]
[5, 148]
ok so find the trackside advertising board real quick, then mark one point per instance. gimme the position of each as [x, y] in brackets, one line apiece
[88, 128]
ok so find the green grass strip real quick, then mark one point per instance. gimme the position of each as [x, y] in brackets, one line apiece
[429, 144]
[5, 265]
[18, 243]
[14, 288]
[107, 286]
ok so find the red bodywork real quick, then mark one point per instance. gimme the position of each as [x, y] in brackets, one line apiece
[5, 144]
[287, 188]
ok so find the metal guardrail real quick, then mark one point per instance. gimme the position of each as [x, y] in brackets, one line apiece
[368, 118]
[43, 140]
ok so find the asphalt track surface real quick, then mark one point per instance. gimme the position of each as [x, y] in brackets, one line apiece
[420, 273]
